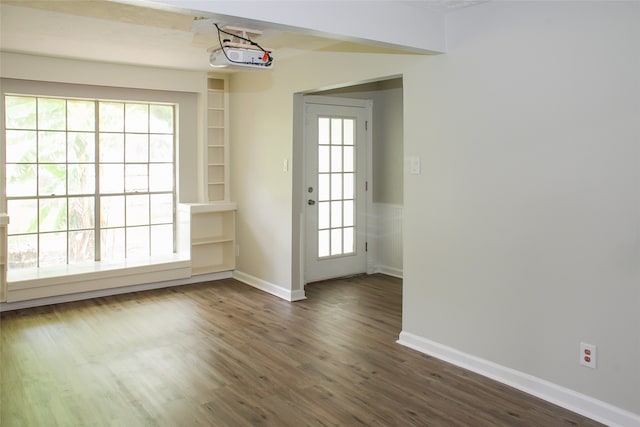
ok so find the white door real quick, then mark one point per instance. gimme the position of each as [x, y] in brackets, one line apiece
[335, 188]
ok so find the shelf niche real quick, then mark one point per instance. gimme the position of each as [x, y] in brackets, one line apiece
[217, 154]
[208, 231]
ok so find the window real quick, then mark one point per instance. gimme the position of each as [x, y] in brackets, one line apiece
[336, 184]
[88, 180]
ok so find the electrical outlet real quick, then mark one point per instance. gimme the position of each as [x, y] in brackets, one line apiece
[588, 355]
[237, 250]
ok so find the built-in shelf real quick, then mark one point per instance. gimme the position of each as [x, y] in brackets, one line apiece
[4, 221]
[217, 140]
[208, 231]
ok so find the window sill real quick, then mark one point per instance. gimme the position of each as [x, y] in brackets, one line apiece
[60, 280]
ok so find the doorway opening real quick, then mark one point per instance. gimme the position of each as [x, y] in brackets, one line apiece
[382, 236]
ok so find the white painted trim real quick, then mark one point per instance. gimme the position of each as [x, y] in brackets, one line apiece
[269, 287]
[389, 271]
[113, 291]
[572, 400]
[338, 101]
[367, 106]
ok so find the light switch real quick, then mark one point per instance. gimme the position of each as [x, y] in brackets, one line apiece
[414, 165]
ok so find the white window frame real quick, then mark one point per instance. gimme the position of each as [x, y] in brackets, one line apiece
[96, 164]
[50, 285]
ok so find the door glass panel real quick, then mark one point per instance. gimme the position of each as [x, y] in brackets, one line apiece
[336, 159]
[336, 241]
[348, 159]
[348, 240]
[324, 215]
[336, 186]
[324, 187]
[336, 214]
[348, 134]
[336, 195]
[348, 186]
[348, 213]
[323, 243]
[323, 159]
[336, 131]
[323, 131]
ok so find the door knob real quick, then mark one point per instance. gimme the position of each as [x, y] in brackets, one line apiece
[311, 202]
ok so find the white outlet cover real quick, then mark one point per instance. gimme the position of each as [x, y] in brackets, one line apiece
[413, 165]
[588, 355]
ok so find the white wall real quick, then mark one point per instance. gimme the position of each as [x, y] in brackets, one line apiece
[521, 234]
[261, 136]
[422, 26]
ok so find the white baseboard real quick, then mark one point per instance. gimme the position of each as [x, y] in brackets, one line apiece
[6, 306]
[553, 393]
[269, 287]
[389, 271]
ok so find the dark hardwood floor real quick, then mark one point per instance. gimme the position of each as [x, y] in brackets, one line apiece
[224, 354]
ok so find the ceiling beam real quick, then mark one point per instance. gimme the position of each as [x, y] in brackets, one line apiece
[405, 25]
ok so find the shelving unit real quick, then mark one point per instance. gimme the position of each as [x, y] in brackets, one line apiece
[209, 235]
[4, 221]
[217, 140]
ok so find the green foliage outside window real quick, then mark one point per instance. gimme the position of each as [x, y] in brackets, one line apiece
[88, 180]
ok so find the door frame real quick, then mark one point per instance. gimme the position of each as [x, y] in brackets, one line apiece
[299, 173]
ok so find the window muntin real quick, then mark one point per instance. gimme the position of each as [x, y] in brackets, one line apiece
[336, 181]
[88, 180]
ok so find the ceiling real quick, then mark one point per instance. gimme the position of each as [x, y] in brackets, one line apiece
[127, 33]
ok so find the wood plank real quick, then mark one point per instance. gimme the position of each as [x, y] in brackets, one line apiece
[222, 353]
